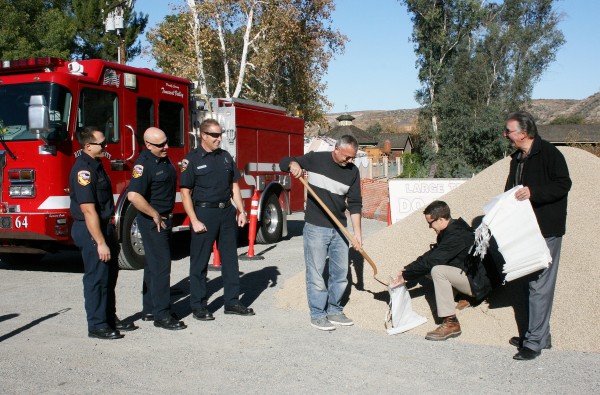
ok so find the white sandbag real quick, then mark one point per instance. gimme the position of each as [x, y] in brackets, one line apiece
[513, 224]
[400, 312]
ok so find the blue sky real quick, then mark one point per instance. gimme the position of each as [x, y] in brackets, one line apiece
[377, 70]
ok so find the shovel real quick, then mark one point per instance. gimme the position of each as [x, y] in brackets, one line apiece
[343, 229]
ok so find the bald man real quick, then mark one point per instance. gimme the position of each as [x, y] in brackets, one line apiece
[152, 192]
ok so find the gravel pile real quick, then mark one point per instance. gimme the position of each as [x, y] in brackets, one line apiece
[576, 309]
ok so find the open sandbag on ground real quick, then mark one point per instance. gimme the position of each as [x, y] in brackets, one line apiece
[493, 322]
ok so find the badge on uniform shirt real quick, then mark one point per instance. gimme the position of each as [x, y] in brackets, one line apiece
[137, 172]
[83, 177]
[184, 164]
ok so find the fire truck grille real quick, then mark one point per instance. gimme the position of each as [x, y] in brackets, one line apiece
[5, 222]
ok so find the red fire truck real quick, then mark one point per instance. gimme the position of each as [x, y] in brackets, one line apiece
[44, 101]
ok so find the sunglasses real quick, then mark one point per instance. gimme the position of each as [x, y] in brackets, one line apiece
[432, 221]
[159, 145]
[214, 135]
[101, 144]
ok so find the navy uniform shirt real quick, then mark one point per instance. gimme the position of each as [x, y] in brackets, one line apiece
[155, 179]
[89, 183]
[209, 175]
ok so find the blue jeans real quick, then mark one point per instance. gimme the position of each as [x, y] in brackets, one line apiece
[320, 243]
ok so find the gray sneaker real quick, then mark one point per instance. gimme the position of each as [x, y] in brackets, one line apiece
[340, 319]
[322, 324]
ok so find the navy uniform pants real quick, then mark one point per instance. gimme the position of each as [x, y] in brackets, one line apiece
[99, 278]
[221, 225]
[157, 270]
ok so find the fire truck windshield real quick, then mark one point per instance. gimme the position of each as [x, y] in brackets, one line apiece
[14, 104]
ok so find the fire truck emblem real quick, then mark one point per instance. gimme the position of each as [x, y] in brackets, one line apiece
[184, 164]
[83, 177]
[137, 172]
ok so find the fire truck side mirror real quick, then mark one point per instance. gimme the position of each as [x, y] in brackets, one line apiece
[39, 115]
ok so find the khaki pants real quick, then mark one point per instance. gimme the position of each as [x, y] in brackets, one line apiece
[447, 279]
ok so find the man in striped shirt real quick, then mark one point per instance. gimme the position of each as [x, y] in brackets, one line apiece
[336, 180]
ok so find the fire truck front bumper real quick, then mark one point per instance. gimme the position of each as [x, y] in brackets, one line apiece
[23, 232]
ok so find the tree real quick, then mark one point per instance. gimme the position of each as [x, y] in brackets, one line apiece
[31, 28]
[491, 71]
[92, 42]
[374, 129]
[439, 27]
[270, 51]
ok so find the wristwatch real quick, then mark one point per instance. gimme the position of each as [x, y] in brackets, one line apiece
[243, 212]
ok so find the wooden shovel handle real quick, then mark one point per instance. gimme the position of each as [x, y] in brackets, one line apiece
[339, 224]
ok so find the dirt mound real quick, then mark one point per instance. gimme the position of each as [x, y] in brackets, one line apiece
[576, 310]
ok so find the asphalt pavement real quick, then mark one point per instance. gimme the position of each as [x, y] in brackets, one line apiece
[44, 346]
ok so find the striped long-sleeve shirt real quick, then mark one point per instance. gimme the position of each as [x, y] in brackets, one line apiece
[337, 186]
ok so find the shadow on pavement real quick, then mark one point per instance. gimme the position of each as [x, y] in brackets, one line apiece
[31, 324]
[252, 285]
[64, 261]
[7, 317]
[295, 228]
[255, 283]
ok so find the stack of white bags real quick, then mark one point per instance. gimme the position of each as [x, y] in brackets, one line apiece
[515, 228]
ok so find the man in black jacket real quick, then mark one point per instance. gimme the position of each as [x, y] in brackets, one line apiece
[446, 264]
[542, 170]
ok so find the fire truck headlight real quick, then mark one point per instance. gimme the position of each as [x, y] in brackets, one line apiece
[21, 191]
[14, 191]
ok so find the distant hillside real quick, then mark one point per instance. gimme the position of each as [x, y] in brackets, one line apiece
[588, 109]
[398, 120]
[544, 110]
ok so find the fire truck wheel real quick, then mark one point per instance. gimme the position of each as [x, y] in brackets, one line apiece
[131, 256]
[271, 221]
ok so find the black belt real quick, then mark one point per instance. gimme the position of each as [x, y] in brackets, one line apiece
[213, 204]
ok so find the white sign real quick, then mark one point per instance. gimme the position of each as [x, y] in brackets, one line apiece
[411, 194]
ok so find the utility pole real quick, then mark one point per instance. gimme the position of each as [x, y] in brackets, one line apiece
[115, 23]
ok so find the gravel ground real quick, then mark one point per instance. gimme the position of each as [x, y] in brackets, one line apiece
[576, 309]
[44, 346]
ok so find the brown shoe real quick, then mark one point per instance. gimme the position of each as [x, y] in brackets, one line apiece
[463, 304]
[449, 328]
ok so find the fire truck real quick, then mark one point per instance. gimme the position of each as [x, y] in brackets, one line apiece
[45, 101]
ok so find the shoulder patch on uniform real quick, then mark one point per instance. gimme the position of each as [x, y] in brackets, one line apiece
[184, 164]
[83, 177]
[137, 172]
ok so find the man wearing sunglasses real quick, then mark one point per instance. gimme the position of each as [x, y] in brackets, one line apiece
[208, 184]
[336, 180]
[542, 170]
[445, 263]
[152, 192]
[92, 207]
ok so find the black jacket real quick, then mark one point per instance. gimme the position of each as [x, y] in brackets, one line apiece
[546, 174]
[452, 247]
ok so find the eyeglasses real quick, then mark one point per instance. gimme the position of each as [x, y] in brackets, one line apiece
[159, 145]
[214, 135]
[101, 144]
[431, 222]
[507, 131]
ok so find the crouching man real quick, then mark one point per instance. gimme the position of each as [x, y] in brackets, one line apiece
[445, 263]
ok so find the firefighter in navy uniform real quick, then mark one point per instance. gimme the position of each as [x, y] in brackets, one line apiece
[152, 192]
[92, 208]
[208, 183]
